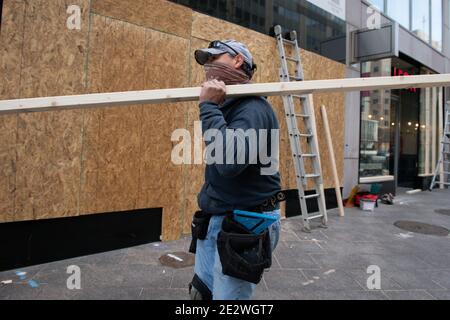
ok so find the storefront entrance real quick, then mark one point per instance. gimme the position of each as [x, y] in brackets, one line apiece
[406, 104]
[399, 128]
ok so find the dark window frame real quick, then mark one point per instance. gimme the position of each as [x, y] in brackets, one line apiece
[1, 13]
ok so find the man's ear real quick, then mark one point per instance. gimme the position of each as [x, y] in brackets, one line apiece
[239, 61]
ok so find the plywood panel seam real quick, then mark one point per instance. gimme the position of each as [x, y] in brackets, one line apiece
[102, 113]
[83, 114]
[139, 25]
[17, 118]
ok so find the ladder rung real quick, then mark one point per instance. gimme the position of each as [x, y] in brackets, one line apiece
[306, 135]
[292, 59]
[310, 176]
[312, 196]
[315, 217]
[295, 78]
[443, 183]
[288, 41]
[302, 115]
[308, 155]
[300, 97]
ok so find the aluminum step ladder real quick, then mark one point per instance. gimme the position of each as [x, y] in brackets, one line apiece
[306, 115]
[443, 166]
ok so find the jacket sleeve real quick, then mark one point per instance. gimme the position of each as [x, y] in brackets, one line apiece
[246, 118]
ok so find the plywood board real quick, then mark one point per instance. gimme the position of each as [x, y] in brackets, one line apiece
[161, 181]
[49, 144]
[11, 41]
[53, 55]
[111, 144]
[335, 104]
[160, 15]
[8, 131]
[48, 165]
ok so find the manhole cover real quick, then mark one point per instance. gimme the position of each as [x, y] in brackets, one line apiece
[422, 228]
[177, 260]
[443, 211]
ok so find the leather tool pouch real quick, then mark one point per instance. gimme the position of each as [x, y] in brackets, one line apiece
[243, 254]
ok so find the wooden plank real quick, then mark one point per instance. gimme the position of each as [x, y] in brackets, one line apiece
[337, 185]
[441, 129]
[427, 131]
[434, 130]
[192, 94]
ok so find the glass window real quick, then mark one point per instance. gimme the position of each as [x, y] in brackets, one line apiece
[378, 4]
[376, 117]
[436, 24]
[421, 19]
[318, 30]
[399, 11]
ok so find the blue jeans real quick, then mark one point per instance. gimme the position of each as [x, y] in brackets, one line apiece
[209, 269]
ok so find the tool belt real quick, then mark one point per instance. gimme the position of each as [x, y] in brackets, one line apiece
[243, 254]
[269, 204]
[200, 221]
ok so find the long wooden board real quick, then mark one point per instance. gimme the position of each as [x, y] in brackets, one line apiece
[192, 94]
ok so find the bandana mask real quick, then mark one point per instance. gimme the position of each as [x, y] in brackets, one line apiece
[223, 72]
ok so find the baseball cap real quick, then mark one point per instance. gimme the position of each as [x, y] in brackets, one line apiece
[218, 47]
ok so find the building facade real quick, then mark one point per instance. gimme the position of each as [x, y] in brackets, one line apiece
[82, 163]
[397, 141]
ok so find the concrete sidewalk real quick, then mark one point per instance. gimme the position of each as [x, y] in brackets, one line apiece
[326, 264]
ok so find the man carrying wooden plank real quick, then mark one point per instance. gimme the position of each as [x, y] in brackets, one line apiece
[226, 266]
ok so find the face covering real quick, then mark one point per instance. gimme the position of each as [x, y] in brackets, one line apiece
[223, 72]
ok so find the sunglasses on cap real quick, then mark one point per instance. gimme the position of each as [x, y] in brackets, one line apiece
[249, 70]
[216, 45]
